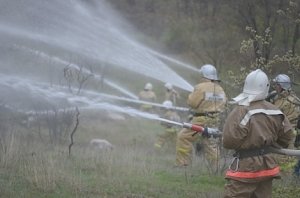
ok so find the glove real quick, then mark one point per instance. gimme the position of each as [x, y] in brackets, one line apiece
[205, 133]
[189, 118]
[208, 132]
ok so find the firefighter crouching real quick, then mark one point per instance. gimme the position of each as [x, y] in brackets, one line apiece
[207, 102]
[170, 132]
[253, 126]
[149, 96]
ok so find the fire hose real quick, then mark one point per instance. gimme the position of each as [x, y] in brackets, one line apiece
[197, 128]
[281, 151]
[217, 133]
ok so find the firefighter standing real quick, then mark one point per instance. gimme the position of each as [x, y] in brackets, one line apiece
[207, 101]
[170, 133]
[252, 126]
[147, 95]
[171, 94]
[287, 101]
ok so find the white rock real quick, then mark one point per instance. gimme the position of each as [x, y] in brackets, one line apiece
[101, 144]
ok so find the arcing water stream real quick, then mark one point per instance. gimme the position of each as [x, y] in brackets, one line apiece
[42, 93]
[58, 97]
[84, 28]
[84, 70]
[36, 35]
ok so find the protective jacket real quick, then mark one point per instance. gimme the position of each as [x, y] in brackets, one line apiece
[173, 116]
[207, 97]
[289, 104]
[148, 96]
[172, 95]
[253, 127]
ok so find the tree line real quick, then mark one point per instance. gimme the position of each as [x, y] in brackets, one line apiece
[231, 34]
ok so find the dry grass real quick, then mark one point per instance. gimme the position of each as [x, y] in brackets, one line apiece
[30, 167]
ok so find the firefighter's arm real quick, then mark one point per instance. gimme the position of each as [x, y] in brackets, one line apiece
[234, 134]
[196, 97]
[176, 94]
[286, 135]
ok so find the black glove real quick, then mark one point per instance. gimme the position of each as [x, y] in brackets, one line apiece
[297, 141]
[205, 133]
[190, 117]
[208, 132]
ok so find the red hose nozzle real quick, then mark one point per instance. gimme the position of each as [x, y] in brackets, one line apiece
[193, 127]
[205, 131]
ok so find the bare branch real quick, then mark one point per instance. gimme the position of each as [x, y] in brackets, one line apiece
[73, 131]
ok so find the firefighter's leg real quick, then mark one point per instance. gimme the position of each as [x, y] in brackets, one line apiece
[238, 189]
[297, 139]
[161, 139]
[297, 169]
[263, 189]
[211, 151]
[184, 147]
[171, 139]
[169, 136]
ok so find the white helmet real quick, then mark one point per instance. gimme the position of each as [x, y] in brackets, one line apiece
[168, 104]
[256, 87]
[283, 80]
[148, 86]
[169, 86]
[209, 72]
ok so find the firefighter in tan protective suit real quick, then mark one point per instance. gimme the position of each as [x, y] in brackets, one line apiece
[253, 126]
[286, 100]
[171, 94]
[207, 102]
[149, 96]
[170, 133]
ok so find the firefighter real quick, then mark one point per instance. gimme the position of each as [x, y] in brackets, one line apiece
[170, 133]
[286, 100]
[207, 101]
[149, 96]
[171, 94]
[250, 128]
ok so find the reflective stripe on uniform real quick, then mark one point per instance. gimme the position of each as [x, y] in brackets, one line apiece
[211, 96]
[170, 130]
[251, 175]
[247, 117]
[147, 106]
[181, 150]
[157, 145]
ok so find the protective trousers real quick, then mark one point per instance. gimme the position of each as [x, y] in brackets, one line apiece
[238, 189]
[169, 136]
[146, 108]
[185, 140]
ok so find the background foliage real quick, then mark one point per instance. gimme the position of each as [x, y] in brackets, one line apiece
[232, 35]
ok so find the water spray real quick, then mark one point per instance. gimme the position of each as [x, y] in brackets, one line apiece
[90, 30]
[194, 69]
[130, 111]
[77, 67]
[184, 109]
